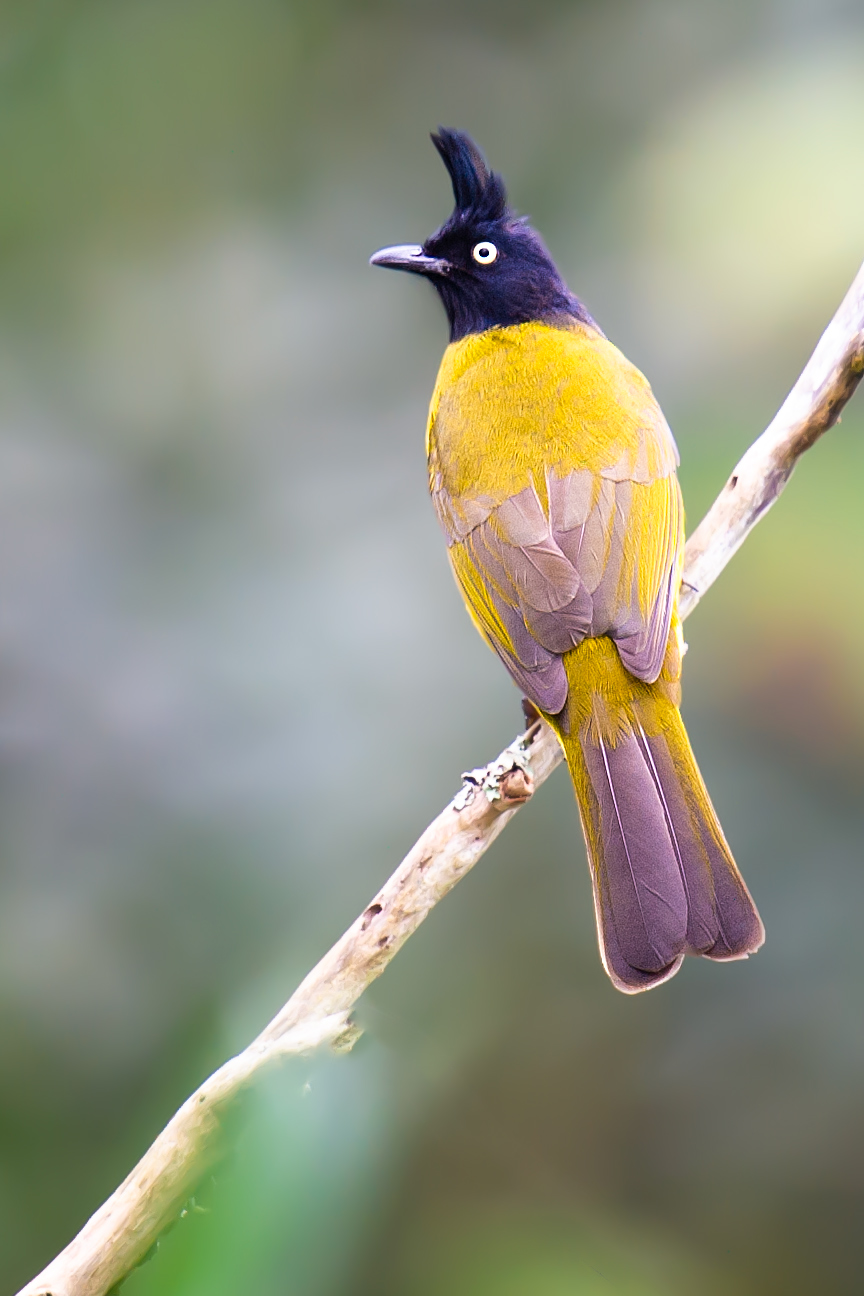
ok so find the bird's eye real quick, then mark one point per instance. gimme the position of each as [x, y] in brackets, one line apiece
[484, 253]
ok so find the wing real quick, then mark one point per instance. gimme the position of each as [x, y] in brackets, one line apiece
[581, 553]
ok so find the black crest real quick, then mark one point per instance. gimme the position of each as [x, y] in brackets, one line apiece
[488, 266]
[479, 192]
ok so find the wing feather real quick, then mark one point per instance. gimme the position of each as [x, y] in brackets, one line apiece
[590, 546]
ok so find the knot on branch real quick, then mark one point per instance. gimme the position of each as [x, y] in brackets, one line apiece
[517, 787]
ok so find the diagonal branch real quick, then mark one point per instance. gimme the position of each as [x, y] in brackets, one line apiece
[812, 407]
[129, 1224]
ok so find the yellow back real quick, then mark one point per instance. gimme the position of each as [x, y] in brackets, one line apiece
[511, 402]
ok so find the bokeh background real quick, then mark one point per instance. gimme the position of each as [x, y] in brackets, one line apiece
[236, 680]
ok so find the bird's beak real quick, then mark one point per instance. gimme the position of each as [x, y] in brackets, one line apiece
[410, 256]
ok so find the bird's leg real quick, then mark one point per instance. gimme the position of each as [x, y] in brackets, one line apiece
[530, 712]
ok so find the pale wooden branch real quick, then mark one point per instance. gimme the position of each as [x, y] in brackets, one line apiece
[812, 407]
[128, 1225]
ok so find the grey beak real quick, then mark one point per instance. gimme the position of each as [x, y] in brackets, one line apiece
[410, 256]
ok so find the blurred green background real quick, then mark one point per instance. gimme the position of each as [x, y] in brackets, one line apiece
[236, 679]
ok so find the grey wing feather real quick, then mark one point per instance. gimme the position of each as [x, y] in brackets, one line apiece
[557, 572]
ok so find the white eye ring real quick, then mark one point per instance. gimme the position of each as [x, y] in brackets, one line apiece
[484, 253]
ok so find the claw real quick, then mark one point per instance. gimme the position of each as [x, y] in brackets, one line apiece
[491, 779]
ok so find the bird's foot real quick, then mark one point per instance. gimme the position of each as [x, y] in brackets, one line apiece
[506, 779]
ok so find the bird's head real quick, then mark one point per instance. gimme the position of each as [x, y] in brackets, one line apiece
[489, 267]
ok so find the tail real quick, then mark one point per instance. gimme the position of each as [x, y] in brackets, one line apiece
[665, 882]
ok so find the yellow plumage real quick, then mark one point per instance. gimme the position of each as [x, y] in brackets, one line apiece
[509, 401]
[557, 419]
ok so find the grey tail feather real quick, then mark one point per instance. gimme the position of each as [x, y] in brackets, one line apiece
[665, 882]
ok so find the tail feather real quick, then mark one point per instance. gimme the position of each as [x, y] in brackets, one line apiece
[639, 872]
[734, 921]
[703, 927]
[665, 883]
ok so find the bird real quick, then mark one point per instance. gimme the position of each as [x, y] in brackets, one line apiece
[552, 471]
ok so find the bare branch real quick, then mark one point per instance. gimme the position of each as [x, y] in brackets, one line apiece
[154, 1195]
[122, 1231]
[812, 407]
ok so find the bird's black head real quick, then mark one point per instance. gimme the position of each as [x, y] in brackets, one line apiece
[489, 267]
